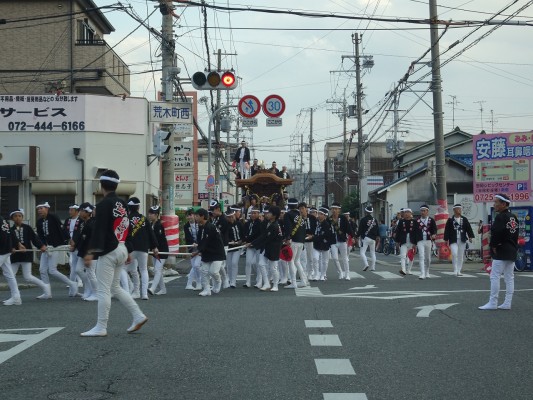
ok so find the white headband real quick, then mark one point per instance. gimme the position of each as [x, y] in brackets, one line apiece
[45, 204]
[20, 211]
[131, 203]
[88, 209]
[109, 178]
[508, 201]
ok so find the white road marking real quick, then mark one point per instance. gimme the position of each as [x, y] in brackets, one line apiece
[325, 340]
[27, 340]
[308, 291]
[387, 275]
[355, 275]
[363, 287]
[426, 310]
[453, 274]
[318, 323]
[334, 366]
[345, 396]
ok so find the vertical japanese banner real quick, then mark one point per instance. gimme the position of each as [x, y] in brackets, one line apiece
[502, 164]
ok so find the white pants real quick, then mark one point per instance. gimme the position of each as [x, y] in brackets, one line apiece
[407, 264]
[139, 259]
[251, 261]
[323, 260]
[295, 263]
[48, 265]
[73, 262]
[232, 262]
[26, 273]
[211, 270]
[88, 276]
[368, 244]
[458, 253]
[424, 257]
[506, 268]
[269, 267]
[242, 169]
[339, 254]
[5, 263]
[194, 274]
[312, 262]
[158, 281]
[108, 271]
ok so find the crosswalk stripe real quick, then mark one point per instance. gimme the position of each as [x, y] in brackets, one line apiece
[387, 275]
[453, 274]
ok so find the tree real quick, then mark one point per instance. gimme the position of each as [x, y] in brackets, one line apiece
[351, 203]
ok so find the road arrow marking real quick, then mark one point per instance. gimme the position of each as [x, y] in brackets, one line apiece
[426, 310]
[364, 287]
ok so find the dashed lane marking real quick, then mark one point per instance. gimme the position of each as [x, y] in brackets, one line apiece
[334, 366]
[345, 396]
[325, 340]
[318, 323]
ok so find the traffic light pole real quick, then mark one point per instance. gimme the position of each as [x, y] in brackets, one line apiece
[210, 141]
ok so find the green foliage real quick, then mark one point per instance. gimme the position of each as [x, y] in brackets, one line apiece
[351, 203]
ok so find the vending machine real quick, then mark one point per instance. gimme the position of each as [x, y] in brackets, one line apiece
[524, 214]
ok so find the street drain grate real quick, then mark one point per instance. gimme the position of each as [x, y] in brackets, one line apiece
[80, 395]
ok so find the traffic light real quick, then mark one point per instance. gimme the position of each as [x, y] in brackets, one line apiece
[214, 80]
[160, 147]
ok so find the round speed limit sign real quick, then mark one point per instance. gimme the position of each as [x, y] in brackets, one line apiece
[274, 106]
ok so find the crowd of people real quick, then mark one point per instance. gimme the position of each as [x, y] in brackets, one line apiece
[286, 246]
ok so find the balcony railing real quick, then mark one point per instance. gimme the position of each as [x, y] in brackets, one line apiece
[92, 42]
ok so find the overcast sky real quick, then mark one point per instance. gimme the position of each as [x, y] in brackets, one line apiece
[496, 74]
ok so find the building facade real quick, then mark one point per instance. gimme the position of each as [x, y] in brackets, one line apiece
[58, 46]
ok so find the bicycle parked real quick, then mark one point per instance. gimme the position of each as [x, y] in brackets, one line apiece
[390, 247]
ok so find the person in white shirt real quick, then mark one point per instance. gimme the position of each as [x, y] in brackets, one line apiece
[426, 230]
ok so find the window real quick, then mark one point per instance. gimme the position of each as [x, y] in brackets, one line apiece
[86, 34]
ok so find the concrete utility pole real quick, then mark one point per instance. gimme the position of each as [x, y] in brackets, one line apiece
[309, 181]
[344, 148]
[167, 89]
[440, 162]
[359, 98]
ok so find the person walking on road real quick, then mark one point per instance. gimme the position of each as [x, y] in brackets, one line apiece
[503, 249]
[367, 233]
[339, 248]
[322, 240]
[212, 252]
[52, 235]
[109, 242]
[6, 247]
[294, 235]
[457, 231]
[383, 228]
[426, 230]
[25, 236]
[406, 237]
[162, 246]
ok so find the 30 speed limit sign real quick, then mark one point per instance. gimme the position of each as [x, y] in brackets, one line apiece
[273, 106]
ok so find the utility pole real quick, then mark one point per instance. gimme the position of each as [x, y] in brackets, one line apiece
[309, 181]
[167, 89]
[344, 149]
[359, 99]
[454, 102]
[440, 171]
[492, 121]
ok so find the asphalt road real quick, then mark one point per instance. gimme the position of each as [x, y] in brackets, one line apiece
[338, 340]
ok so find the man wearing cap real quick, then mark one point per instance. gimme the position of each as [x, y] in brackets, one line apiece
[235, 237]
[339, 249]
[242, 157]
[310, 223]
[269, 245]
[251, 231]
[143, 240]
[294, 235]
[212, 252]
[322, 239]
[51, 234]
[6, 247]
[426, 231]
[406, 236]
[367, 233]
[23, 237]
[191, 229]
[457, 231]
[108, 242]
[162, 246]
[80, 245]
[503, 250]
[71, 228]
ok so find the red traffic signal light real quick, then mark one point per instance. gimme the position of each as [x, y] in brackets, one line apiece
[214, 80]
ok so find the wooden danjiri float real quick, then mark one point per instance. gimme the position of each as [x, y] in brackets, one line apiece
[265, 184]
